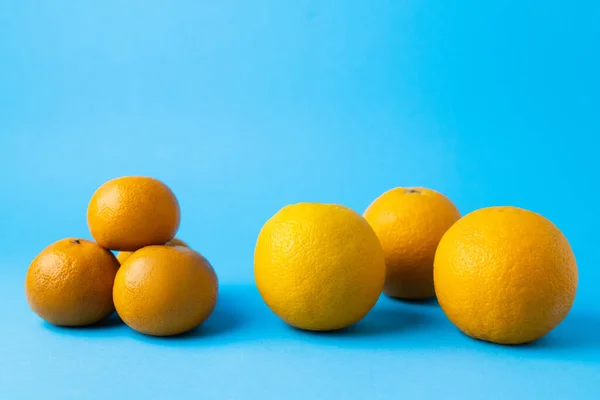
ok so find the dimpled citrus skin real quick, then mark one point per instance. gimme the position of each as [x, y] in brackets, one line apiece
[131, 212]
[505, 275]
[122, 256]
[165, 290]
[70, 283]
[319, 266]
[410, 223]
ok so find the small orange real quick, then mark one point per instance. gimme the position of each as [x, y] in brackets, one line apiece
[165, 290]
[131, 212]
[124, 255]
[505, 275]
[319, 266]
[70, 283]
[410, 223]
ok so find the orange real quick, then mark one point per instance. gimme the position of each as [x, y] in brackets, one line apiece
[319, 266]
[70, 283]
[410, 223]
[165, 290]
[131, 212]
[505, 275]
[124, 255]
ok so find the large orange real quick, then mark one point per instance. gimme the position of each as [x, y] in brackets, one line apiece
[131, 212]
[70, 283]
[319, 266]
[410, 223]
[165, 290]
[122, 256]
[505, 275]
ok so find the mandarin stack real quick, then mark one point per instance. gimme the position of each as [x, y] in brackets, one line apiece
[157, 283]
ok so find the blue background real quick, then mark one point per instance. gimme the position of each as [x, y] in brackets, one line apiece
[245, 106]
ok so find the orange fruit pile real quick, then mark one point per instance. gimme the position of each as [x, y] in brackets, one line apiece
[157, 284]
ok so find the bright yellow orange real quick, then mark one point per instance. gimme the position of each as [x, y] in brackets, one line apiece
[131, 212]
[165, 290]
[410, 223]
[505, 275]
[70, 283]
[122, 256]
[319, 266]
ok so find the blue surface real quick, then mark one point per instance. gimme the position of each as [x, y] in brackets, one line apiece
[245, 106]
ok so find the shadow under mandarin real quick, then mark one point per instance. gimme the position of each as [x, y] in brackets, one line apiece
[110, 322]
[223, 320]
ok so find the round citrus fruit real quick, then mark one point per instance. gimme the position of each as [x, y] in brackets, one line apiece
[505, 275]
[122, 256]
[165, 290]
[410, 223]
[70, 283]
[131, 212]
[319, 266]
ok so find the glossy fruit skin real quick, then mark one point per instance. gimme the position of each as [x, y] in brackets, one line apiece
[70, 283]
[122, 256]
[131, 212]
[409, 223]
[505, 275]
[319, 266]
[165, 290]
